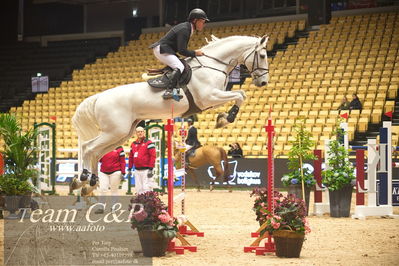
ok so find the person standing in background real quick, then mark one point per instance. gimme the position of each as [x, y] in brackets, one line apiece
[112, 170]
[142, 156]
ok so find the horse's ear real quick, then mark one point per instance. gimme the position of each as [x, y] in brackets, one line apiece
[214, 38]
[264, 40]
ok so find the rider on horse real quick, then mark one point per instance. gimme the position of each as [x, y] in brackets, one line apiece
[192, 142]
[176, 41]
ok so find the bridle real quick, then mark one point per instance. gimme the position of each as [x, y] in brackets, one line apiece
[254, 67]
[256, 60]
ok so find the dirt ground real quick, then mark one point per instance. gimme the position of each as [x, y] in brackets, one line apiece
[227, 220]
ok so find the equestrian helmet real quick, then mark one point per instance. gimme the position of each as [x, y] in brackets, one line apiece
[197, 13]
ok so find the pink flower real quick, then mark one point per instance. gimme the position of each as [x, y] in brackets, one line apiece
[140, 215]
[275, 225]
[307, 229]
[171, 222]
[165, 218]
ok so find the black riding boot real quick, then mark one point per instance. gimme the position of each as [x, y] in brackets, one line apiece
[172, 91]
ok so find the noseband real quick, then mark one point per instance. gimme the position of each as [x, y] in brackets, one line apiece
[256, 61]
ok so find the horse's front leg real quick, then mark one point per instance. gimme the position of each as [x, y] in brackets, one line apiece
[218, 97]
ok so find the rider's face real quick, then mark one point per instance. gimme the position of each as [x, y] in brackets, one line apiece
[199, 24]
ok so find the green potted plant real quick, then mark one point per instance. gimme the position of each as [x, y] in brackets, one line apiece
[19, 160]
[153, 223]
[338, 177]
[288, 224]
[300, 180]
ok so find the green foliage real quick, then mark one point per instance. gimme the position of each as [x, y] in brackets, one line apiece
[11, 185]
[19, 155]
[302, 146]
[341, 171]
[300, 152]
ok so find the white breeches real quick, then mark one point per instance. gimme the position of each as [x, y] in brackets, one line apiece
[109, 183]
[142, 182]
[168, 59]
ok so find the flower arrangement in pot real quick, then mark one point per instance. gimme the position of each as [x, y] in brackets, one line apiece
[300, 180]
[339, 176]
[153, 223]
[288, 224]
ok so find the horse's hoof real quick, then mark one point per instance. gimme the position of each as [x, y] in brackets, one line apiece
[221, 120]
[198, 189]
[211, 188]
[232, 113]
[84, 175]
[93, 180]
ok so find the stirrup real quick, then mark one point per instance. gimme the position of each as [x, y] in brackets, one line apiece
[168, 94]
[176, 95]
[172, 94]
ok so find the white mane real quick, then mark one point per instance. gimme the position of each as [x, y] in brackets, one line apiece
[216, 41]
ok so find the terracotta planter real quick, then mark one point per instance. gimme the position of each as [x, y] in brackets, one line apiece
[288, 243]
[340, 201]
[297, 191]
[153, 243]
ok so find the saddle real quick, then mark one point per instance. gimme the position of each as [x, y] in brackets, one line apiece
[163, 82]
[191, 153]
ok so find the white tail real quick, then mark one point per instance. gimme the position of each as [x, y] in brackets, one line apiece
[84, 120]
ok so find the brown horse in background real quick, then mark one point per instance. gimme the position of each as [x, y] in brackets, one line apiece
[206, 155]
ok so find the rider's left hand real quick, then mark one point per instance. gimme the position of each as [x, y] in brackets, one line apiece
[199, 53]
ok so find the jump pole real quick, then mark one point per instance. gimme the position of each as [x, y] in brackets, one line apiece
[319, 206]
[183, 229]
[269, 246]
[172, 247]
[379, 163]
[379, 167]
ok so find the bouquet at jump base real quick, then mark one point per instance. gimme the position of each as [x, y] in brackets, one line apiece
[150, 213]
[260, 203]
[289, 213]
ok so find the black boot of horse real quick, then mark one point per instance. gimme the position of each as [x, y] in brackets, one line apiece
[232, 113]
[93, 180]
[172, 91]
[84, 175]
